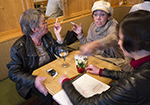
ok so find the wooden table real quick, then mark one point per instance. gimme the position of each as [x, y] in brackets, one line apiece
[52, 83]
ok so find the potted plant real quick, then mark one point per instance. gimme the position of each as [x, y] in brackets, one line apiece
[80, 66]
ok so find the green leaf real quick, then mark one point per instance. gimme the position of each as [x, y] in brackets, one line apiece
[81, 65]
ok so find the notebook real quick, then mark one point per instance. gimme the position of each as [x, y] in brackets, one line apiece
[85, 85]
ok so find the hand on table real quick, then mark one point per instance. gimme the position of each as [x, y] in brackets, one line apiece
[93, 69]
[62, 78]
[39, 85]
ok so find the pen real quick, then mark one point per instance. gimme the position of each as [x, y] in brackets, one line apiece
[77, 76]
[56, 20]
[74, 76]
[72, 23]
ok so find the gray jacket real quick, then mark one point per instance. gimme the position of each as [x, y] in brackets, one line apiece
[108, 37]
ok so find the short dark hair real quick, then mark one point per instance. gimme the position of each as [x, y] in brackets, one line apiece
[146, 0]
[136, 31]
[30, 19]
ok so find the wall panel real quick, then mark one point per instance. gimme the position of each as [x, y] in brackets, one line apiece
[10, 11]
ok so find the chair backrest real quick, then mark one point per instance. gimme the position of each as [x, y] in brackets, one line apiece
[5, 57]
[120, 12]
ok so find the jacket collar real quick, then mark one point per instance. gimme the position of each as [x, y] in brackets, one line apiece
[30, 45]
[30, 48]
[139, 62]
[46, 41]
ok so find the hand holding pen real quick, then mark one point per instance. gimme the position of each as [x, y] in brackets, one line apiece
[56, 25]
[57, 30]
[77, 28]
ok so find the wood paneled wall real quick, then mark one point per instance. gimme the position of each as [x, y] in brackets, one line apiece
[134, 1]
[78, 7]
[11, 10]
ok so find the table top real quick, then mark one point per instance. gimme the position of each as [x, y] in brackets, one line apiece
[52, 83]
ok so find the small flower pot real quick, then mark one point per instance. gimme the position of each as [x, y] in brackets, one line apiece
[80, 70]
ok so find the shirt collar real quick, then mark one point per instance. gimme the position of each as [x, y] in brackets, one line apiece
[137, 63]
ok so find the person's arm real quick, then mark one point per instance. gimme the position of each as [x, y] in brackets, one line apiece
[77, 29]
[116, 75]
[115, 95]
[110, 40]
[83, 39]
[16, 72]
[89, 37]
[112, 37]
[57, 31]
[89, 47]
[40, 86]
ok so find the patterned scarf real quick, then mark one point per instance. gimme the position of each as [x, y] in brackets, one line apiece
[101, 30]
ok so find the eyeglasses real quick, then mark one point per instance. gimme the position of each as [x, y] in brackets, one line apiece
[44, 23]
[100, 15]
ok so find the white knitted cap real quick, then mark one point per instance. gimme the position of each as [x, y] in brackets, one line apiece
[102, 5]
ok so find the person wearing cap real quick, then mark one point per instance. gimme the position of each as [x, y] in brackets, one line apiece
[131, 88]
[102, 37]
[141, 6]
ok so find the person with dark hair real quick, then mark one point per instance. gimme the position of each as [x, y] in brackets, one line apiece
[141, 6]
[103, 31]
[131, 88]
[34, 49]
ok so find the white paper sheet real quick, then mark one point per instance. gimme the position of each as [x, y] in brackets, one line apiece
[85, 85]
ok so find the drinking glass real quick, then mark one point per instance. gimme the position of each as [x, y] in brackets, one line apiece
[63, 52]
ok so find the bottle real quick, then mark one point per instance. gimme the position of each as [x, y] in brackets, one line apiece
[124, 2]
[42, 5]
